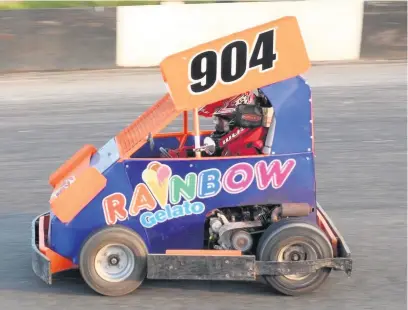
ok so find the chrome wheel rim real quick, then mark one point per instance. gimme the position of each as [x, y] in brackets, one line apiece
[114, 262]
[297, 251]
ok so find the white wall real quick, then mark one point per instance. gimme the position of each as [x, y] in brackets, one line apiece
[147, 34]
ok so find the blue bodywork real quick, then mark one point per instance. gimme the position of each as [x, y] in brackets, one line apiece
[180, 223]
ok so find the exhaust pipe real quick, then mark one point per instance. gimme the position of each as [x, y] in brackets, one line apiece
[291, 210]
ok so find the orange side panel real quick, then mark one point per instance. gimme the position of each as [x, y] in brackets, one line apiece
[204, 252]
[58, 262]
[155, 119]
[326, 228]
[85, 152]
[71, 201]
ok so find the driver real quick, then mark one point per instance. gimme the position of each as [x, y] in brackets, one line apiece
[238, 124]
[224, 113]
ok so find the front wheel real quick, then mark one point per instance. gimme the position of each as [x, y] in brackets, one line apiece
[294, 240]
[113, 261]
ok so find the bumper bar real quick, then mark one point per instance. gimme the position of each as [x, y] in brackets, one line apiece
[342, 250]
[45, 262]
[41, 264]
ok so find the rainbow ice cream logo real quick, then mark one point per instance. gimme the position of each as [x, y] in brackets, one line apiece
[157, 177]
[175, 195]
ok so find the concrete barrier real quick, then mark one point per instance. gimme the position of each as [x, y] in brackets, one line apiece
[331, 29]
[141, 36]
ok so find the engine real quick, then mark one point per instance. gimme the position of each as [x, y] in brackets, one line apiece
[237, 228]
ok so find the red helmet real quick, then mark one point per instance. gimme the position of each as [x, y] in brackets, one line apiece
[226, 112]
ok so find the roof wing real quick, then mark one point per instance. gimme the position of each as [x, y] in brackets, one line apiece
[236, 63]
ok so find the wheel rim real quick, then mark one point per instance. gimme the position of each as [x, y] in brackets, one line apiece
[114, 262]
[297, 251]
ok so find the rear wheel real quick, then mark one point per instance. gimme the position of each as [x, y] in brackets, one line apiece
[113, 261]
[294, 240]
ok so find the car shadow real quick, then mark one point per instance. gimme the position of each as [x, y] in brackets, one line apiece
[226, 287]
[70, 282]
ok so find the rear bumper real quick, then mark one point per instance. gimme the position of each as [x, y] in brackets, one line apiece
[45, 262]
[340, 247]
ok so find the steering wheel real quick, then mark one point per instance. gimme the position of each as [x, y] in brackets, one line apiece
[164, 152]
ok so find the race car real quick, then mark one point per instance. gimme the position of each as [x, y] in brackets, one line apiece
[234, 203]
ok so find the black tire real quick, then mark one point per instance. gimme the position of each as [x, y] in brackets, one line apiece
[284, 233]
[123, 237]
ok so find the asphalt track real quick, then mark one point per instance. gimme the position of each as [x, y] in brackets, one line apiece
[360, 113]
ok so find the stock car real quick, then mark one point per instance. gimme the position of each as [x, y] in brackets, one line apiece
[130, 210]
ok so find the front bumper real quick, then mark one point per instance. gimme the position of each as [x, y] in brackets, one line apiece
[45, 262]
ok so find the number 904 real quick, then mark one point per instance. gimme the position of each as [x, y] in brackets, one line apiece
[208, 67]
